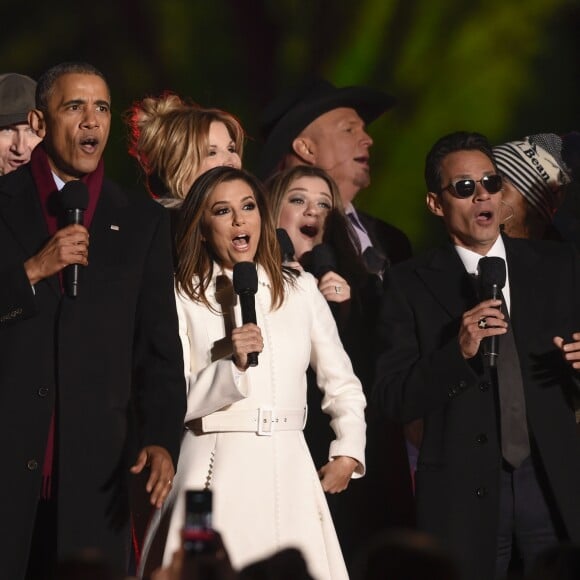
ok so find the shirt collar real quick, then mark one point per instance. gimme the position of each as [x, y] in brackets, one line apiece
[57, 180]
[470, 258]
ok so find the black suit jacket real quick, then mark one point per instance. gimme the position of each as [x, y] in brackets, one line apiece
[421, 373]
[105, 361]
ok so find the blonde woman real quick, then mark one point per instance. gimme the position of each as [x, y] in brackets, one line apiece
[175, 141]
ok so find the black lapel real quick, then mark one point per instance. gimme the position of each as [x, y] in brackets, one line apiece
[446, 279]
[20, 210]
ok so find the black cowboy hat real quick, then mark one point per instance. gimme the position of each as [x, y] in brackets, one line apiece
[284, 119]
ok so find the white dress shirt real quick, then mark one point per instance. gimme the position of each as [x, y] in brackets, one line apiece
[470, 260]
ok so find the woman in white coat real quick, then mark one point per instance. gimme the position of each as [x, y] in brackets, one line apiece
[243, 438]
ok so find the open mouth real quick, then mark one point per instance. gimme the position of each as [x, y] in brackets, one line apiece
[484, 217]
[241, 242]
[309, 231]
[362, 161]
[89, 144]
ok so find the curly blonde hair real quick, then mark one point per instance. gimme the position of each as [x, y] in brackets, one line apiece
[169, 137]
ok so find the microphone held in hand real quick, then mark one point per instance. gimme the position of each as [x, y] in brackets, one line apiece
[286, 245]
[246, 285]
[74, 199]
[322, 260]
[492, 278]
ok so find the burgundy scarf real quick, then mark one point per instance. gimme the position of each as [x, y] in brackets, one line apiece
[46, 187]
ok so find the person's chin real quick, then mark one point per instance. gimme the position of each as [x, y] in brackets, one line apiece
[362, 180]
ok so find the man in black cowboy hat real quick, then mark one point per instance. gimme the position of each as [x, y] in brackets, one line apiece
[322, 125]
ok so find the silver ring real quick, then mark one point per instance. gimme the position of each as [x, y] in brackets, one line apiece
[482, 323]
[338, 289]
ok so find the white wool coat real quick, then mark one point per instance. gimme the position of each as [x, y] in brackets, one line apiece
[267, 494]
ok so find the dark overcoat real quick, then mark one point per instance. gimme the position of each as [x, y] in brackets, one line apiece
[421, 373]
[109, 362]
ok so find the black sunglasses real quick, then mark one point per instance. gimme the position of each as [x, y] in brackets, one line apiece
[463, 188]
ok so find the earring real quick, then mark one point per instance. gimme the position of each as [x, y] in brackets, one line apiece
[509, 217]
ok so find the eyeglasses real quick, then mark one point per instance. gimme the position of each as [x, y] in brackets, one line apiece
[463, 188]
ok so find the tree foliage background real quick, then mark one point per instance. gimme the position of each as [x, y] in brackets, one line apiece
[506, 68]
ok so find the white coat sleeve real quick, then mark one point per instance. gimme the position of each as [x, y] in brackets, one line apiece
[343, 398]
[210, 385]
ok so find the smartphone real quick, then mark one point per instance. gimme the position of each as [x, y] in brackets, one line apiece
[198, 534]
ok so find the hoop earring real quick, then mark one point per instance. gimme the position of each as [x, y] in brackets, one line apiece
[509, 217]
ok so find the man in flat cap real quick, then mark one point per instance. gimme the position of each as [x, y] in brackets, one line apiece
[321, 125]
[17, 138]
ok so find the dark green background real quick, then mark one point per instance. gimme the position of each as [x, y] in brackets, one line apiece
[506, 68]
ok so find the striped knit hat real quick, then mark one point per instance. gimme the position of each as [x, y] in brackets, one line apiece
[536, 168]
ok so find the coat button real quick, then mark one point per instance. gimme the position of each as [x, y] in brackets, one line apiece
[481, 492]
[481, 439]
[462, 385]
[483, 387]
[32, 464]
[42, 392]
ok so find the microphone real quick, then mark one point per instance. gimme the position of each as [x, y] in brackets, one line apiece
[286, 245]
[492, 277]
[322, 260]
[74, 199]
[246, 285]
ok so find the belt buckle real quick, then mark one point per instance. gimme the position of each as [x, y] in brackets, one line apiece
[265, 422]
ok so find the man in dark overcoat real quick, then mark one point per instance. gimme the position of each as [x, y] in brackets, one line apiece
[487, 482]
[91, 386]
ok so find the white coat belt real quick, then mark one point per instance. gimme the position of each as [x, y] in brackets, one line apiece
[263, 421]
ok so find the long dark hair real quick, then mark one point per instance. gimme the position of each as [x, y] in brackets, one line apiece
[195, 258]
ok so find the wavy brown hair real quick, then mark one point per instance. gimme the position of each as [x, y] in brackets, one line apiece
[196, 259]
[169, 137]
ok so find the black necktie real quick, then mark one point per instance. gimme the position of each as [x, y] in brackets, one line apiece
[515, 440]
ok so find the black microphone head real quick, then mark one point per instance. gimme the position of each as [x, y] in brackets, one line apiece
[322, 260]
[74, 195]
[492, 272]
[245, 278]
[286, 245]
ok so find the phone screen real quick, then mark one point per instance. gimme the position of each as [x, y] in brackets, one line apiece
[198, 534]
